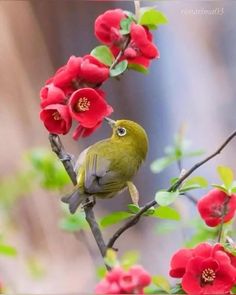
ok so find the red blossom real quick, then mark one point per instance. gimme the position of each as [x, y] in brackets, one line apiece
[206, 269]
[92, 70]
[81, 131]
[212, 207]
[107, 26]
[51, 94]
[141, 48]
[66, 74]
[88, 107]
[56, 118]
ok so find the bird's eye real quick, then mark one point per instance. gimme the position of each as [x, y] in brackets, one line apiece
[121, 131]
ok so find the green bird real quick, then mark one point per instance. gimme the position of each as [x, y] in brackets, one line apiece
[107, 167]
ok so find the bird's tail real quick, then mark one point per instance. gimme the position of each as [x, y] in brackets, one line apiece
[74, 200]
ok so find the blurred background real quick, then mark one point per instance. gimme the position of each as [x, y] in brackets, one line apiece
[192, 84]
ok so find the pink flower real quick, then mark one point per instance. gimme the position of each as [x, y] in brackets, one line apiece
[51, 94]
[107, 26]
[56, 118]
[212, 209]
[88, 107]
[120, 281]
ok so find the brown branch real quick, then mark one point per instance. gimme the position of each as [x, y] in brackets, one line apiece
[133, 220]
[59, 150]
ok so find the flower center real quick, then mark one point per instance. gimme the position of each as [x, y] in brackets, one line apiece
[56, 116]
[83, 104]
[208, 276]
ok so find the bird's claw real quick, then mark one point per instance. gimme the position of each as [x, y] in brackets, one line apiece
[89, 203]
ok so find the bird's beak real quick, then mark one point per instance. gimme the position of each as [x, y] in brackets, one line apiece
[110, 122]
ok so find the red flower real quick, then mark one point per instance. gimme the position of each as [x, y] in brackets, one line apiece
[107, 26]
[141, 45]
[206, 269]
[88, 107]
[56, 118]
[119, 281]
[212, 207]
[66, 74]
[51, 94]
[81, 131]
[209, 275]
[92, 70]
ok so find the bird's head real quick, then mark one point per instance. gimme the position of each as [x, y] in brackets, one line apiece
[130, 133]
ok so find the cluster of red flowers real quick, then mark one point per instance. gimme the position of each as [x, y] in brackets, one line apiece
[205, 269]
[74, 93]
[119, 281]
[217, 206]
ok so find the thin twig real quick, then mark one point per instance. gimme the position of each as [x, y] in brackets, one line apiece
[133, 220]
[221, 226]
[117, 59]
[137, 8]
[59, 150]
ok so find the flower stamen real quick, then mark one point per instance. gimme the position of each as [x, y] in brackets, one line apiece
[208, 276]
[83, 104]
[56, 116]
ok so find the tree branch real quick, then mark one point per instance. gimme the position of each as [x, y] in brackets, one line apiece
[133, 220]
[59, 150]
[117, 59]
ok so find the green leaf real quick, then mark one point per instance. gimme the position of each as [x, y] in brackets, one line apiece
[111, 258]
[103, 54]
[114, 218]
[125, 26]
[7, 250]
[164, 198]
[220, 187]
[101, 272]
[166, 213]
[151, 17]
[138, 68]
[129, 258]
[226, 175]
[119, 68]
[166, 227]
[150, 211]
[73, 223]
[194, 183]
[162, 163]
[133, 208]
[177, 290]
[161, 282]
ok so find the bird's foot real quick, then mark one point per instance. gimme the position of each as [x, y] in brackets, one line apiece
[90, 203]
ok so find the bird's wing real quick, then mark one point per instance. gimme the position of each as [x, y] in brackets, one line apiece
[98, 177]
[80, 159]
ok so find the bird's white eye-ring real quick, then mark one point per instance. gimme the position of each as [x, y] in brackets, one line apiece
[121, 131]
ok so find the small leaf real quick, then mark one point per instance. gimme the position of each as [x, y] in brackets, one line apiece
[194, 183]
[111, 258]
[129, 258]
[162, 163]
[119, 68]
[7, 250]
[149, 212]
[101, 272]
[125, 26]
[226, 175]
[73, 223]
[138, 68]
[161, 282]
[177, 290]
[166, 213]
[114, 218]
[152, 17]
[103, 54]
[133, 208]
[220, 187]
[164, 198]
